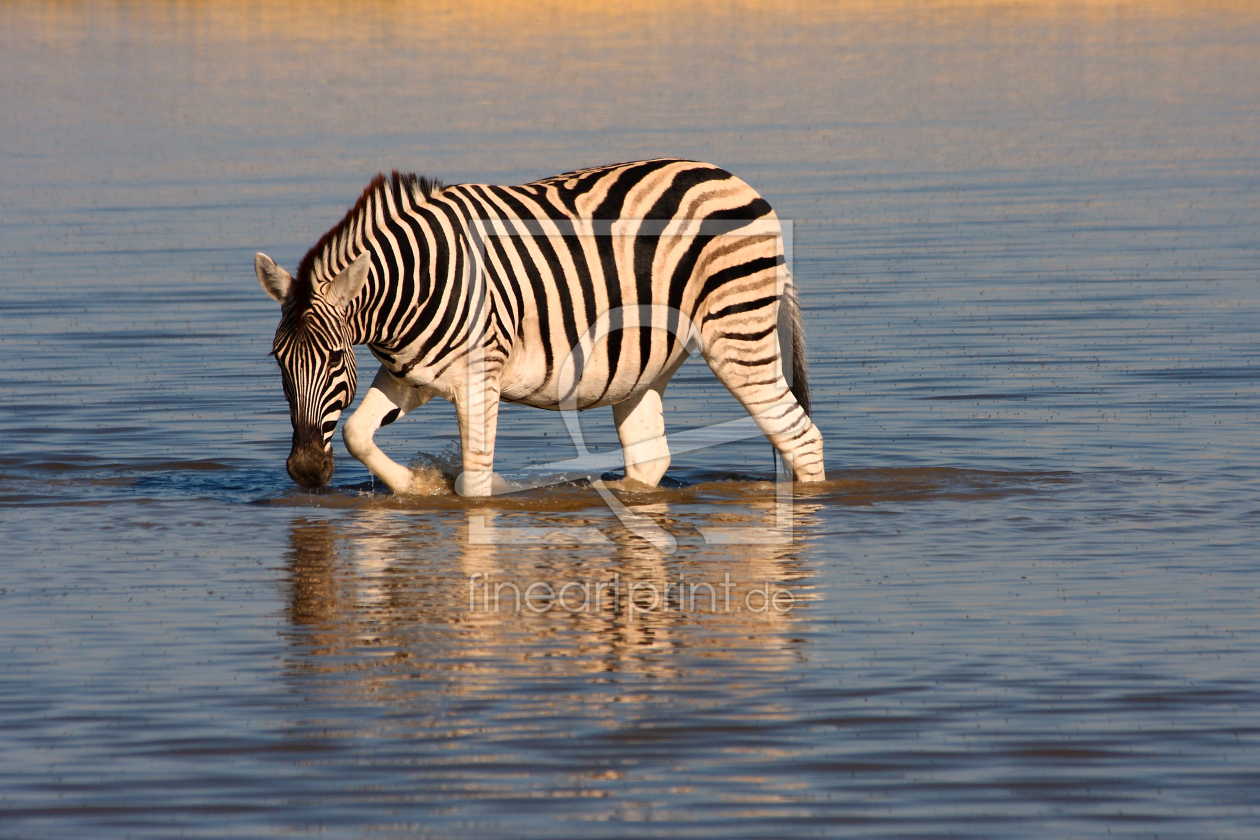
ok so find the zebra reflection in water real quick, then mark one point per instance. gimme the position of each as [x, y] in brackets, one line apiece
[383, 597]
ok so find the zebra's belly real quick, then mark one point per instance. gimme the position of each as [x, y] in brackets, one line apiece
[527, 380]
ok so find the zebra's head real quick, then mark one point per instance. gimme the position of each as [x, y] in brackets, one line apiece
[316, 357]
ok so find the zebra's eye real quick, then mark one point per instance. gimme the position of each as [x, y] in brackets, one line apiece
[335, 358]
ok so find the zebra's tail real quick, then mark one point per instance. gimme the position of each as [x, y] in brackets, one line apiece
[800, 361]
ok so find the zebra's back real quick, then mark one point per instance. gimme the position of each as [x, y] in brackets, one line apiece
[617, 261]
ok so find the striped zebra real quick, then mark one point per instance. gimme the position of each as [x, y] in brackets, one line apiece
[577, 291]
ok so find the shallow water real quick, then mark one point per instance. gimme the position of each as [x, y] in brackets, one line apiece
[1024, 604]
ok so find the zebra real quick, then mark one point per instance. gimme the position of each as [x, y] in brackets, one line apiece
[581, 290]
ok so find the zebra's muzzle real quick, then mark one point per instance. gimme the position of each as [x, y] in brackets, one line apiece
[310, 466]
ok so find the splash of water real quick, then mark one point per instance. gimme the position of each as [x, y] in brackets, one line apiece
[434, 474]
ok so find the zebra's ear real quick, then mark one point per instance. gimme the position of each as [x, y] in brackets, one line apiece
[349, 282]
[275, 280]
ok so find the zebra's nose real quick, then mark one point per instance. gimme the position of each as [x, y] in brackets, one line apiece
[309, 466]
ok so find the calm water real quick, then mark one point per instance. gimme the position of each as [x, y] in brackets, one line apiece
[1026, 605]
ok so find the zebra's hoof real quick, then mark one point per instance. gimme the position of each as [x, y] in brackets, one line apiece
[482, 484]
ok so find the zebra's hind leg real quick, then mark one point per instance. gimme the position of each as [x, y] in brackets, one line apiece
[386, 401]
[748, 364]
[641, 429]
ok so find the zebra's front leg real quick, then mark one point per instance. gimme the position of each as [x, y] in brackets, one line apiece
[478, 412]
[388, 399]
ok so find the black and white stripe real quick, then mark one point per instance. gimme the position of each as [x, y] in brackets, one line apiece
[482, 293]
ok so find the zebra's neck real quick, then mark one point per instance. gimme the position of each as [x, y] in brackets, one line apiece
[384, 316]
[393, 221]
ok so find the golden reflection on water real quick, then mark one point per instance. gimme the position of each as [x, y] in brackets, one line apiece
[334, 22]
[388, 590]
[464, 91]
[384, 596]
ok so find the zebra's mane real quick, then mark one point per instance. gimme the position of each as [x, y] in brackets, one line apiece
[331, 253]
